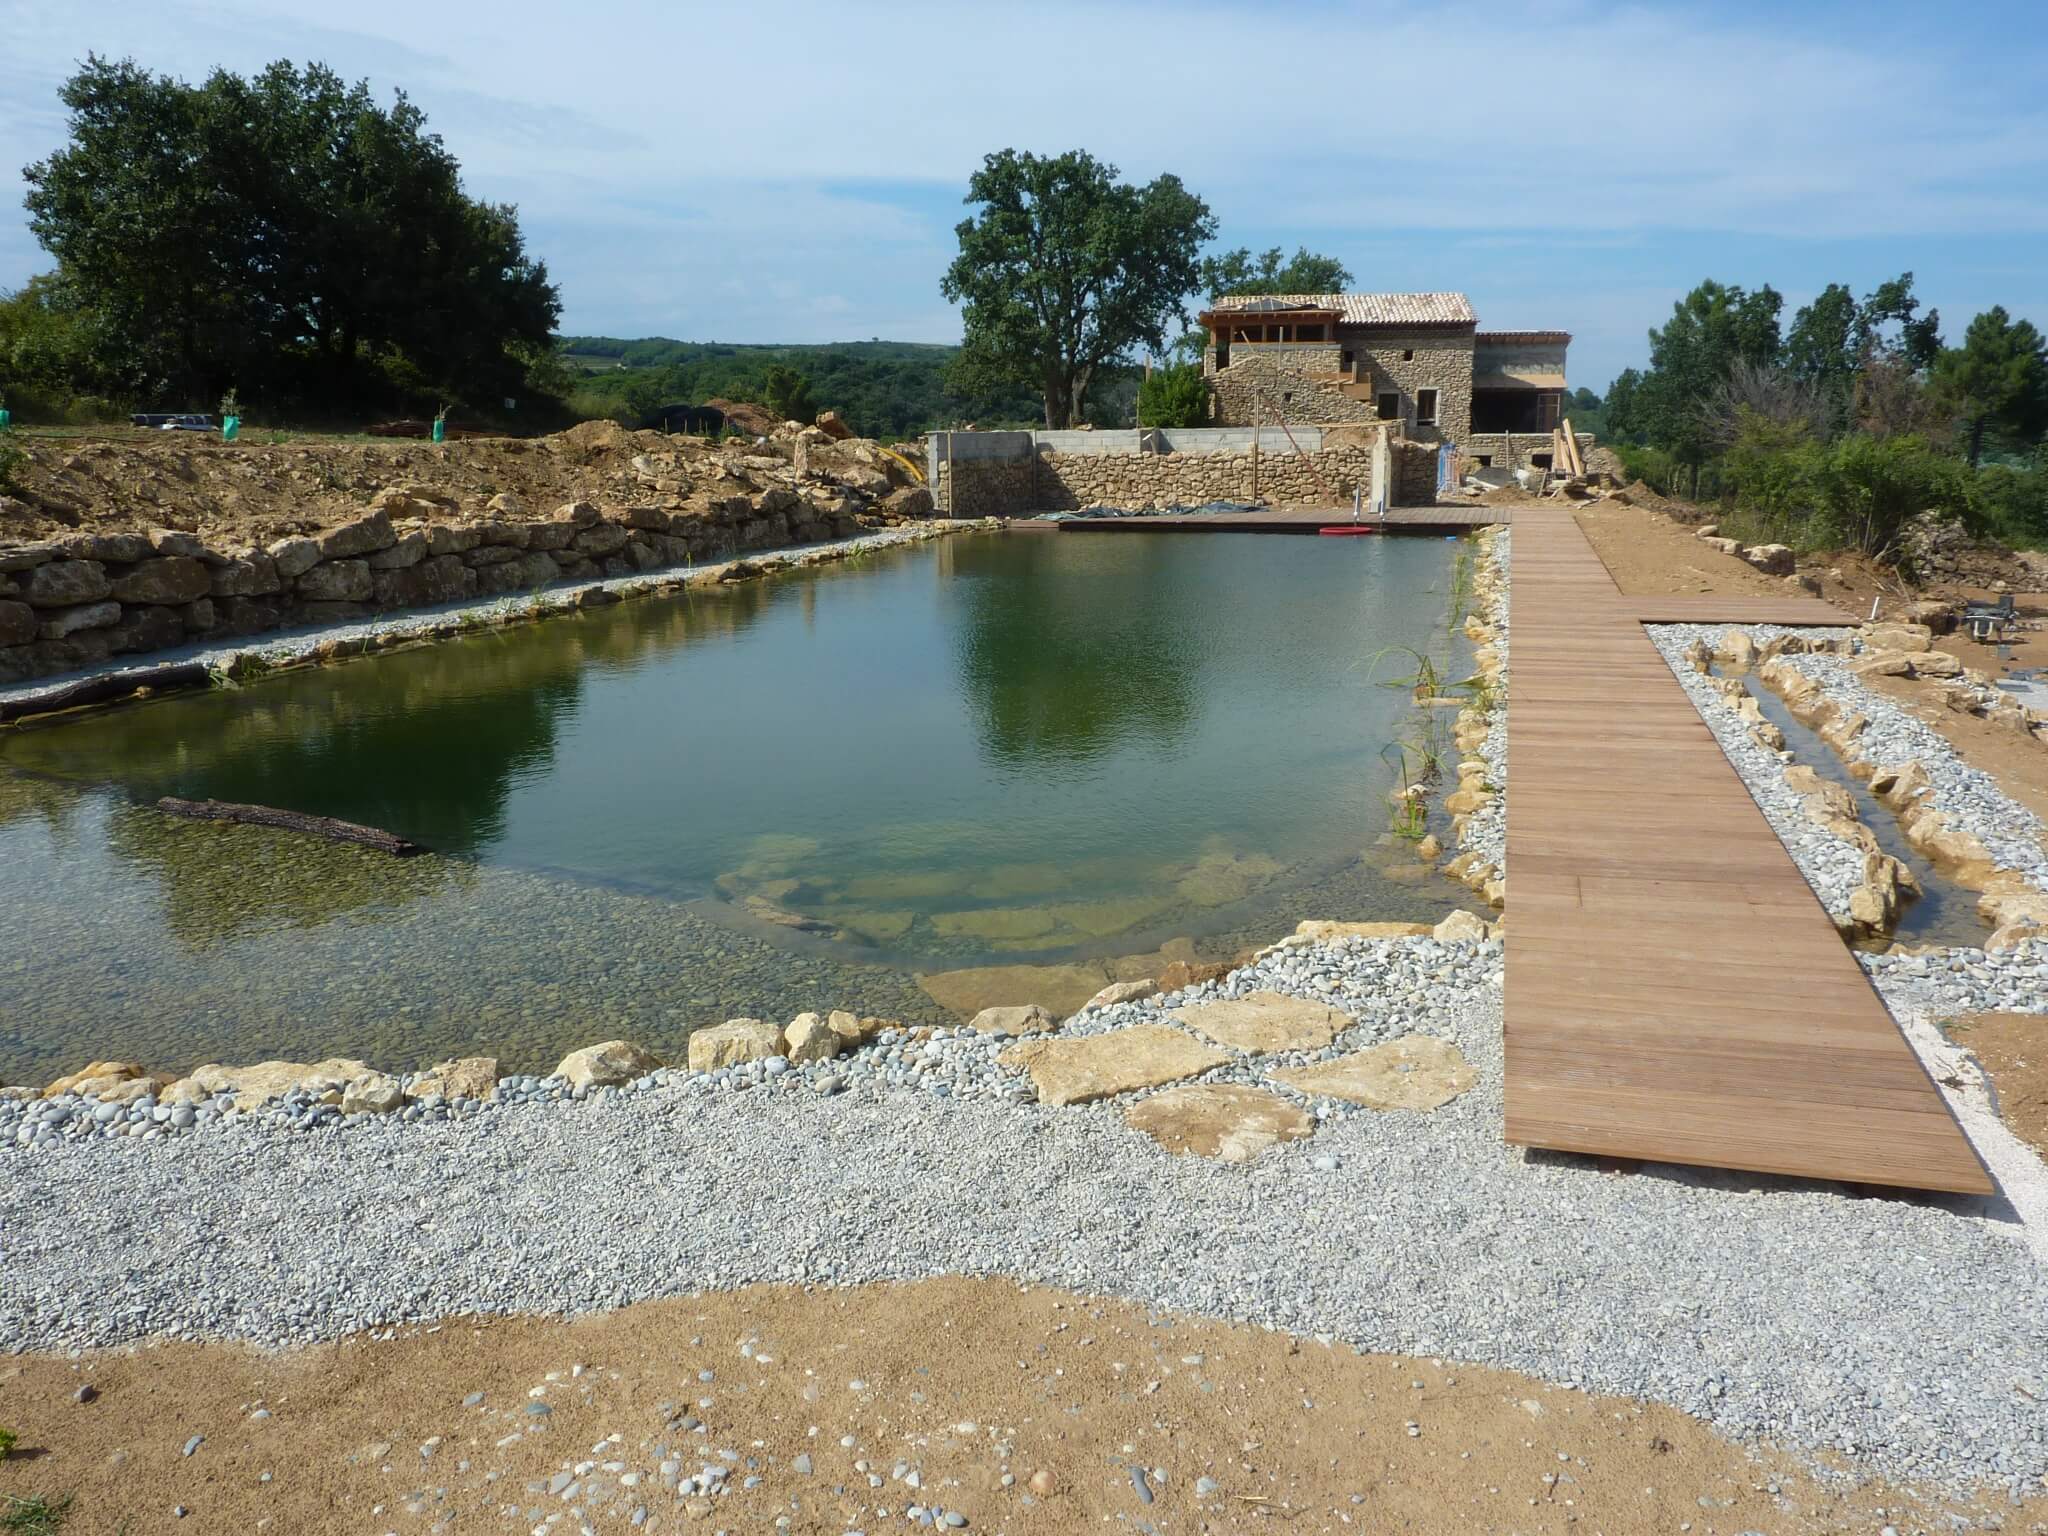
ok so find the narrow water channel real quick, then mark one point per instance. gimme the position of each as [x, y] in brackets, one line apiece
[1944, 913]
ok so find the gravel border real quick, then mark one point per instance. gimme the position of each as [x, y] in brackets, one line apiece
[1969, 797]
[1831, 865]
[1486, 830]
[1907, 1333]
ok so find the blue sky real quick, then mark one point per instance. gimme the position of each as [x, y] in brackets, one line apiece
[792, 171]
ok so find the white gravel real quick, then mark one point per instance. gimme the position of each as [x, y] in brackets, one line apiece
[1486, 830]
[1832, 866]
[1912, 1334]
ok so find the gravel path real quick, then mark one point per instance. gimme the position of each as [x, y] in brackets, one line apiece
[1914, 1334]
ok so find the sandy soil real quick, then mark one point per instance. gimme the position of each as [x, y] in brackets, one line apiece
[2020, 765]
[1649, 554]
[2013, 1049]
[1022, 1409]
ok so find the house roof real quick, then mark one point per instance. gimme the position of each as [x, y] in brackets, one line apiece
[1366, 308]
[1558, 338]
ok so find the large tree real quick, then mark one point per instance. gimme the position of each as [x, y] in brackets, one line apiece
[1997, 380]
[287, 236]
[1710, 329]
[1065, 269]
[1240, 272]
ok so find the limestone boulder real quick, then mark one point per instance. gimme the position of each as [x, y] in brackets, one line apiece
[1460, 928]
[1226, 1121]
[364, 536]
[855, 1031]
[1266, 1021]
[465, 1077]
[1322, 929]
[1897, 637]
[1415, 1072]
[607, 1064]
[1883, 664]
[1178, 975]
[1120, 992]
[168, 579]
[337, 581]
[1771, 559]
[1937, 664]
[1028, 1019]
[61, 623]
[17, 622]
[734, 1043]
[292, 558]
[256, 1085]
[374, 1093]
[96, 1072]
[1736, 647]
[1066, 1070]
[809, 1038]
[253, 574]
[61, 583]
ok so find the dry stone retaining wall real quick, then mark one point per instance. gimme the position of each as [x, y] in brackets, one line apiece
[1049, 481]
[79, 602]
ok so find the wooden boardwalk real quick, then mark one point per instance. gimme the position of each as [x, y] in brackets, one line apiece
[1675, 991]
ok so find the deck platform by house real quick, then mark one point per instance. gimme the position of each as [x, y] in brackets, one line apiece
[1282, 519]
[1675, 992]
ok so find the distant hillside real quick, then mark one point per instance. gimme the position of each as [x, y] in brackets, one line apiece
[885, 389]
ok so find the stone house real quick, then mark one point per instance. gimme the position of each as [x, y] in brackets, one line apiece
[1416, 361]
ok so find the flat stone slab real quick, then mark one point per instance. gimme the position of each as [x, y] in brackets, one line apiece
[1228, 1122]
[1266, 1021]
[1418, 1072]
[1075, 1071]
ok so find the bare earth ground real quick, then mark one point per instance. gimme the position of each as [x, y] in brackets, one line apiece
[966, 1383]
[2013, 1050]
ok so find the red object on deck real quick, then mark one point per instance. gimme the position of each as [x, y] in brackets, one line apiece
[1348, 530]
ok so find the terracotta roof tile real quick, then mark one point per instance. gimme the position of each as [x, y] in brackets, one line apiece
[1372, 308]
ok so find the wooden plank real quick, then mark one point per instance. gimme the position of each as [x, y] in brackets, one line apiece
[1675, 992]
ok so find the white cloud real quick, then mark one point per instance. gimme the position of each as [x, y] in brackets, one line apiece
[789, 170]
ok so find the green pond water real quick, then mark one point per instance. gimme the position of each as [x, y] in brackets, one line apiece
[807, 792]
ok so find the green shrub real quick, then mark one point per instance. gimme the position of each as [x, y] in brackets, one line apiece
[1174, 396]
[11, 461]
[1653, 466]
[2010, 504]
[7, 1443]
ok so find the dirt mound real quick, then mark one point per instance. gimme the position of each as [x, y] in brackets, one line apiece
[754, 420]
[254, 491]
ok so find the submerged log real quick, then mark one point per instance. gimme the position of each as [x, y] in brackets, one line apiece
[335, 831]
[106, 689]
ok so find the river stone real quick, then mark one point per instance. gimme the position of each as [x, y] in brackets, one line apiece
[98, 1072]
[1321, 928]
[1071, 1071]
[810, 1038]
[375, 1093]
[466, 1077]
[1460, 927]
[1226, 1121]
[1030, 1019]
[612, 1062]
[1416, 1072]
[169, 579]
[734, 1042]
[1266, 1021]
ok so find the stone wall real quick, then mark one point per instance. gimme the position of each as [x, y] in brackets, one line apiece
[1514, 450]
[1268, 378]
[1064, 482]
[80, 601]
[1294, 380]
